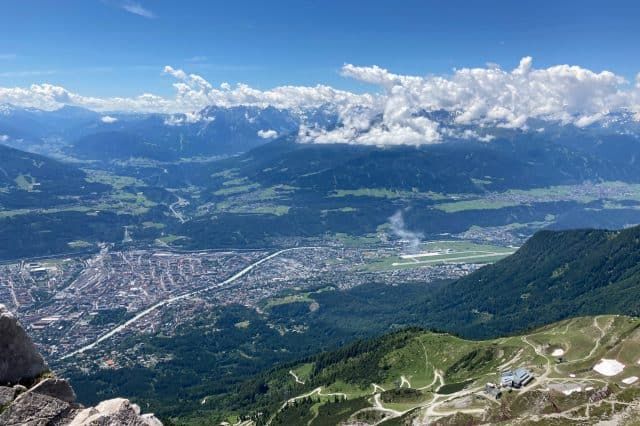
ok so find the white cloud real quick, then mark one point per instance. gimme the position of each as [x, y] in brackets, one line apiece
[194, 92]
[4, 138]
[187, 118]
[484, 96]
[107, 119]
[568, 94]
[137, 9]
[588, 120]
[268, 134]
[480, 97]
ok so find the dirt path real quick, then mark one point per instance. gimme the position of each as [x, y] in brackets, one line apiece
[296, 378]
[603, 333]
[437, 375]
[377, 388]
[378, 405]
[404, 380]
[511, 361]
[538, 380]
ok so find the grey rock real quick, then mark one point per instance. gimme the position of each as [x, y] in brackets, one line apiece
[34, 409]
[19, 358]
[6, 395]
[56, 388]
[20, 389]
[51, 402]
[116, 411]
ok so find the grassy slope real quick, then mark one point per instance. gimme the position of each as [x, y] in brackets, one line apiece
[411, 359]
[31, 181]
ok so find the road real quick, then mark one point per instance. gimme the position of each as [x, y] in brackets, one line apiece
[181, 202]
[164, 302]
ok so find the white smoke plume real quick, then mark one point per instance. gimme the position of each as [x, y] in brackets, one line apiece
[399, 229]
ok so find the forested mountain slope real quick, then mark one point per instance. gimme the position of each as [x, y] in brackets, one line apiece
[555, 275]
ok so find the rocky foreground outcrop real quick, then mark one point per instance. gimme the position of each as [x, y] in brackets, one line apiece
[31, 395]
[19, 358]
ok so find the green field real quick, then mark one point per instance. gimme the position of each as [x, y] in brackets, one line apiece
[387, 193]
[610, 192]
[478, 204]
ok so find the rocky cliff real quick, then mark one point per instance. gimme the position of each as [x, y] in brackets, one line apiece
[31, 395]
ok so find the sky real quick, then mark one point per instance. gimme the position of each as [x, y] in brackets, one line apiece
[377, 64]
[120, 47]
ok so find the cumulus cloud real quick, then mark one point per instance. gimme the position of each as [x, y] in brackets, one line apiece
[400, 112]
[268, 134]
[107, 119]
[4, 138]
[490, 96]
[194, 92]
[479, 97]
[51, 97]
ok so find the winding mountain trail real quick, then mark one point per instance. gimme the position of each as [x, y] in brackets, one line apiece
[188, 295]
[378, 406]
[539, 351]
[437, 375]
[296, 378]
[403, 381]
[317, 391]
[510, 362]
[377, 388]
[603, 333]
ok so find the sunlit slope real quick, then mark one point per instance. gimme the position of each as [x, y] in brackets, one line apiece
[31, 181]
[585, 369]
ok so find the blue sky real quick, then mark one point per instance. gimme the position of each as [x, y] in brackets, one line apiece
[119, 47]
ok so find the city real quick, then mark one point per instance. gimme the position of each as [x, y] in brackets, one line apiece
[68, 303]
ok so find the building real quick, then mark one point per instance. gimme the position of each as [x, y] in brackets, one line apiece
[522, 377]
[516, 379]
[493, 390]
[506, 379]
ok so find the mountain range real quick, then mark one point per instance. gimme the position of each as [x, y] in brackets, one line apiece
[218, 130]
[247, 181]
